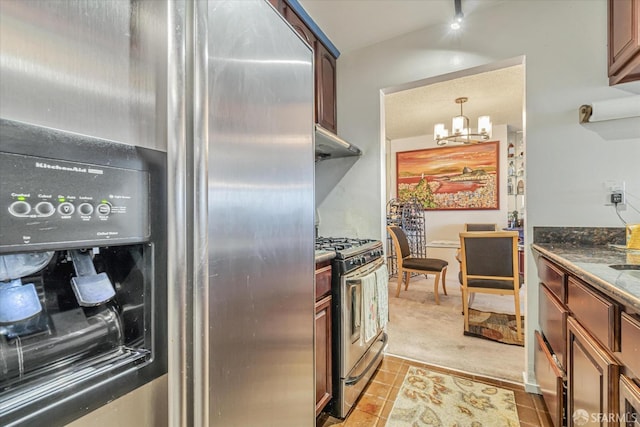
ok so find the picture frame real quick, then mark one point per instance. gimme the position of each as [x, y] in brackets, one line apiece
[459, 177]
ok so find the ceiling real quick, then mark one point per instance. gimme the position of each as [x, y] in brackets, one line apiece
[498, 94]
[354, 24]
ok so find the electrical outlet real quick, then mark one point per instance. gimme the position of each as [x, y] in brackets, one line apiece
[615, 194]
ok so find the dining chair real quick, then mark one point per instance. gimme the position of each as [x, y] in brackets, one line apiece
[421, 265]
[489, 264]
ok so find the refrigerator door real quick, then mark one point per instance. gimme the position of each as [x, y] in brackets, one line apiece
[256, 120]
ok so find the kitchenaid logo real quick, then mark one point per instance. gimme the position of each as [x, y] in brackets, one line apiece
[43, 165]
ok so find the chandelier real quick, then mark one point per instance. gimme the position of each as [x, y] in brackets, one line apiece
[460, 130]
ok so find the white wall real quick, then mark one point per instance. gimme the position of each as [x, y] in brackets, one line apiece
[565, 46]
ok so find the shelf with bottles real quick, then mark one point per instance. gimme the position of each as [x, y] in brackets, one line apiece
[515, 169]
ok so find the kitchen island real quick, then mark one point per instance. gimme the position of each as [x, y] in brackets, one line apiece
[587, 358]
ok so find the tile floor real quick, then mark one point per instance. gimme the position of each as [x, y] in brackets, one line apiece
[374, 405]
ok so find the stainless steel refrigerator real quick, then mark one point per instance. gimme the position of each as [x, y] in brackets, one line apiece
[224, 91]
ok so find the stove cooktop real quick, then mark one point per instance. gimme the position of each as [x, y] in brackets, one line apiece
[345, 247]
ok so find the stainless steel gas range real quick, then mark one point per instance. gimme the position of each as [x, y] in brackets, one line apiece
[354, 359]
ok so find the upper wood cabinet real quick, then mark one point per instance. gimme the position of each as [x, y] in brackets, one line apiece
[299, 25]
[624, 41]
[325, 71]
[325, 88]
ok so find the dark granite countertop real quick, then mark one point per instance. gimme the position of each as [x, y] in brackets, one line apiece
[322, 255]
[591, 264]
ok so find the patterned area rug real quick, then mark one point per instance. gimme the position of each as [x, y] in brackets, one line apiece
[494, 326]
[433, 399]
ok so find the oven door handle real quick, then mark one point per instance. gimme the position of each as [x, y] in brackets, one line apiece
[363, 271]
[353, 380]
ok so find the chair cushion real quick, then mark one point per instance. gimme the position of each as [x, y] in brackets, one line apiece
[431, 264]
[487, 283]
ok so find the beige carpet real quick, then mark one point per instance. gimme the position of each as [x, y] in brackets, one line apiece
[419, 329]
[428, 398]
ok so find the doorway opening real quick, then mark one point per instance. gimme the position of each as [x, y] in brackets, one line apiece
[419, 329]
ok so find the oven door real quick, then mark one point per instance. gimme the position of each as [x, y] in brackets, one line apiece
[351, 296]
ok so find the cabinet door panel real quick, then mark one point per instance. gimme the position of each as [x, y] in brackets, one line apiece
[326, 89]
[299, 25]
[599, 315]
[323, 281]
[629, 402]
[624, 41]
[550, 379]
[630, 343]
[592, 382]
[323, 353]
[553, 323]
[553, 278]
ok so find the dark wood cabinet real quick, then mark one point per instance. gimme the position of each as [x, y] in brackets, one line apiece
[624, 41]
[323, 353]
[325, 88]
[323, 335]
[629, 402]
[299, 25]
[550, 380]
[325, 71]
[592, 378]
[590, 341]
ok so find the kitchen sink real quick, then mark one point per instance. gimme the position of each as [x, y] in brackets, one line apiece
[625, 266]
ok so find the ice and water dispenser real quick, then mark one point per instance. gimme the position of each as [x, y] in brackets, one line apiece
[82, 271]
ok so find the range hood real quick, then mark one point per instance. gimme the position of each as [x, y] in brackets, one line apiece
[330, 146]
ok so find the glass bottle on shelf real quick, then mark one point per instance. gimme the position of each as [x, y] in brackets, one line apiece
[511, 150]
[520, 188]
[512, 169]
[510, 186]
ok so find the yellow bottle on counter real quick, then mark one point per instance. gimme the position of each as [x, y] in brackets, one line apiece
[633, 236]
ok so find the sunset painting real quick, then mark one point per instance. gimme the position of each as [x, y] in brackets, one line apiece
[445, 178]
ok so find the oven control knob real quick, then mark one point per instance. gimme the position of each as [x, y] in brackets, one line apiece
[363, 260]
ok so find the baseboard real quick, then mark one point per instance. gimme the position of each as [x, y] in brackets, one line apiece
[530, 387]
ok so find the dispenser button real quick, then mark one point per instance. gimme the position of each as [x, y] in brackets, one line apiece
[45, 209]
[104, 209]
[85, 209]
[66, 208]
[19, 208]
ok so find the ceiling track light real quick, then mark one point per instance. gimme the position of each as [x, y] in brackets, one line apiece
[460, 130]
[458, 17]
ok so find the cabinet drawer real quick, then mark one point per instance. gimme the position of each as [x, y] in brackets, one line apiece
[550, 379]
[629, 401]
[630, 343]
[596, 313]
[553, 323]
[323, 281]
[553, 278]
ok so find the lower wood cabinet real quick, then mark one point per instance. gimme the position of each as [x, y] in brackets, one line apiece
[629, 402]
[551, 381]
[587, 352]
[592, 380]
[323, 353]
[324, 391]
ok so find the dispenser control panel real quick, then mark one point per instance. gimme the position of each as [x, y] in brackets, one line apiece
[46, 202]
